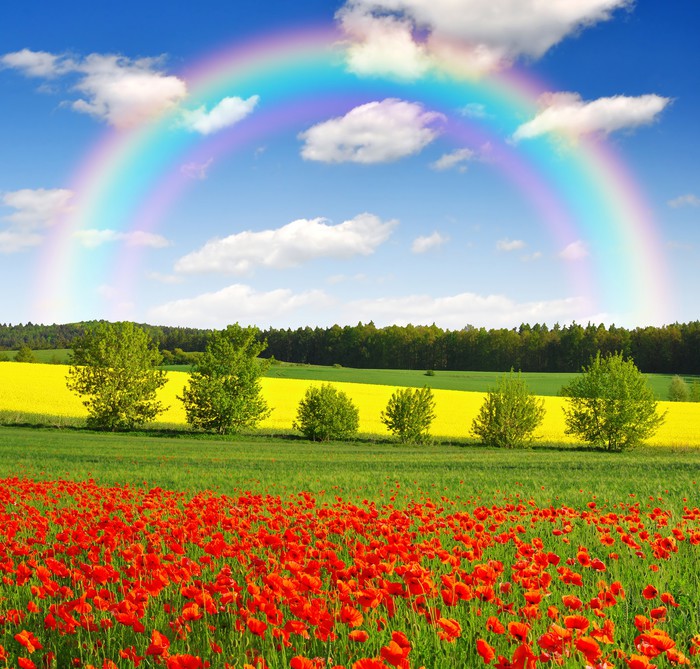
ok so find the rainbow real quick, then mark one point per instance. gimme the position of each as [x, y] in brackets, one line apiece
[130, 180]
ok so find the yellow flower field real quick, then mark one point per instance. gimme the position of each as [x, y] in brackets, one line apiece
[41, 389]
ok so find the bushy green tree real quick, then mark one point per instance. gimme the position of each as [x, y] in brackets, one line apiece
[678, 390]
[224, 393]
[509, 415]
[114, 365]
[611, 405]
[25, 354]
[326, 413]
[409, 414]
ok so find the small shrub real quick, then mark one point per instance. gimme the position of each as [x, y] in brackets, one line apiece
[430, 372]
[509, 415]
[611, 405]
[678, 391]
[695, 392]
[326, 413]
[25, 354]
[409, 414]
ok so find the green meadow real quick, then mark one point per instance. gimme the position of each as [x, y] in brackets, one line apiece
[364, 469]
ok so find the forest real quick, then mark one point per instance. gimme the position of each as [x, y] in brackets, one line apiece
[670, 349]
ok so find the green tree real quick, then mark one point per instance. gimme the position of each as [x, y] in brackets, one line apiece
[114, 365]
[678, 390]
[224, 393]
[509, 415]
[25, 354]
[409, 414]
[326, 413]
[611, 405]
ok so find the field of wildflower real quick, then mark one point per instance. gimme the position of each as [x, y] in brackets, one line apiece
[40, 389]
[105, 576]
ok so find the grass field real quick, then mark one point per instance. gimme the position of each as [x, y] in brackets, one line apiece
[356, 470]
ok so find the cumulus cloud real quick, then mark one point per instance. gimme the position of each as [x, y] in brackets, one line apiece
[289, 246]
[33, 211]
[236, 303]
[36, 63]
[382, 45]
[568, 114]
[425, 244]
[455, 158]
[457, 311]
[93, 238]
[39, 207]
[121, 91]
[126, 92]
[687, 200]
[407, 37]
[575, 251]
[228, 112]
[376, 132]
[510, 244]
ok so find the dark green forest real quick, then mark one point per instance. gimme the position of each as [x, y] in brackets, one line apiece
[671, 349]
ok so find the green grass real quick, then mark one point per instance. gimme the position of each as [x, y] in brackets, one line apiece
[371, 470]
[50, 356]
[540, 383]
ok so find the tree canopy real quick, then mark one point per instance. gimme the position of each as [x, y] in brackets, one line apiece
[224, 393]
[114, 366]
[611, 405]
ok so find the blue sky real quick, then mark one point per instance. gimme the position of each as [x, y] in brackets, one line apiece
[375, 203]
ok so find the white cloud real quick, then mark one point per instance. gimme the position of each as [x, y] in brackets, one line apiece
[121, 91]
[165, 278]
[196, 170]
[568, 114]
[532, 256]
[236, 303]
[376, 132]
[36, 63]
[34, 210]
[455, 158]
[228, 112]
[126, 92]
[39, 207]
[289, 246]
[575, 251]
[457, 311]
[406, 37]
[687, 200]
[382, 45]
[510, 244]
[425, 244]
[13, 241]
[93, 238]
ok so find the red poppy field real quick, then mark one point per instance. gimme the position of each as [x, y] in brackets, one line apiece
[111, 575]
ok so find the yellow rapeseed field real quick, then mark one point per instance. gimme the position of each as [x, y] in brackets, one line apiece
[41, 389]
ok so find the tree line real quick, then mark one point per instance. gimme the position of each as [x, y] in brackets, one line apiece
[670, 349]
